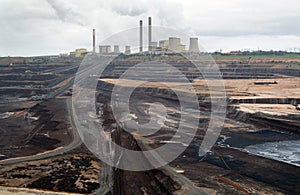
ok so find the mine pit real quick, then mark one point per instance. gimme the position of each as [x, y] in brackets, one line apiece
[40, 150]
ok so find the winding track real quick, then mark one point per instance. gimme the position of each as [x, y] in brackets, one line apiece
[58, 151]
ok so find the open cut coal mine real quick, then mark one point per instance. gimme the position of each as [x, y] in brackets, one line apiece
[34, 113]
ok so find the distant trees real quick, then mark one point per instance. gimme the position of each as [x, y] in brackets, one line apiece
[258, 52]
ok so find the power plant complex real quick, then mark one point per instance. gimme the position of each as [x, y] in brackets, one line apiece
[170, 45]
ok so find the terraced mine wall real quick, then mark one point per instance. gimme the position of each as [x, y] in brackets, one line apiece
[288, 124]
[233, 163]
[33, 76]
[140, 182]
[266, 101]
[230, 69]
[240, 164]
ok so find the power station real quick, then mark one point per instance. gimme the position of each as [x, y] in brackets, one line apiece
[170, 45]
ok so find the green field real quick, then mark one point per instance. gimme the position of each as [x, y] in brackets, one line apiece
[264, 56]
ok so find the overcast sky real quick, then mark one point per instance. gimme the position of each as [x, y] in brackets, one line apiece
[40, 27]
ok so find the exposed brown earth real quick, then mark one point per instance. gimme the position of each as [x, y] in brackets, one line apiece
[51, 130]
[227, 169]
[73, 173]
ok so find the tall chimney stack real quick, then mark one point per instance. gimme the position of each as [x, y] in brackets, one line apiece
[141, 36]
[149, 34]
[94, 41]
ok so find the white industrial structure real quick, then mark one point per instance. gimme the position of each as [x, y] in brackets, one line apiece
[116, 49]
[164, 44]
[194, 48]
[173, 43]
[104, 49]
[127, 49]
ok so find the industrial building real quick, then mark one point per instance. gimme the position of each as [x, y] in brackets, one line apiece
[104, 49]
[181, 48]
[194, 48]
[127, 49]
[63, 55]
[78, 53]
[116, 49]
[164, 44]
[171, 45]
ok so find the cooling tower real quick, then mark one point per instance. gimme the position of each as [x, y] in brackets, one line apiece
[104, 49]
[94, 41]
[127, 49]
[173, 44]
[194, 45]
[116, 49]
[141, 36]
[149, 34]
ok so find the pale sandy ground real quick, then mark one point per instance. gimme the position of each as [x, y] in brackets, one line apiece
[199, 87]
[136, 83]
[270, 109]
[288, 87]
[26, 191]
[285, 88]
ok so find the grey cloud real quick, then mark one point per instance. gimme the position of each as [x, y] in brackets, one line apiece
[166, 13]
[66, 14]
[170, 14]
[128, 7]
[34, 26]
[248, 17]
[128, 11]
